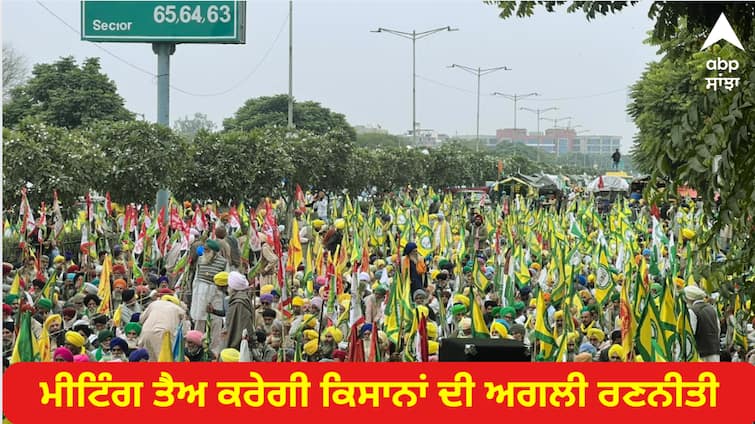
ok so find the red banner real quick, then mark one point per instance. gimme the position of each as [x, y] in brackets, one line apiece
[213, 392]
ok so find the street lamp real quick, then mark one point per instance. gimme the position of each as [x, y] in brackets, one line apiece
[514, 98]
[555, 126]
[414, 36]
[538, 112]
[479, 72]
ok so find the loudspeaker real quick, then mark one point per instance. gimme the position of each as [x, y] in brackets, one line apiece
[482, 350]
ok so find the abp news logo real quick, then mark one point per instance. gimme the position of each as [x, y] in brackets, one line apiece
[722, 30]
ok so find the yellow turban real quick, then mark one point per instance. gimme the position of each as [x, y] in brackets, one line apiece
[221, 279]
[58, 259]
[53, 318]
[171, 299]
[340, 224]
[617, 350]
[597, 333]
[591, 278]
[297, 301]
[309, 321]
[432, 330]
[310, 348]
[379, 263]
[266, 289]
[498, 328]
[336, 333]
[229, 355]
[434, 275]
[310, 334]
[688, 234]
[432, 347]
[317, 224]
[558, 314]
[536, 266]
[76, 339]
[459, 298]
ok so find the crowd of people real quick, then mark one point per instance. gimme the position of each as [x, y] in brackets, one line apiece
[382, 279]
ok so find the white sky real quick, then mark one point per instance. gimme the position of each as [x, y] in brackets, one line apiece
[367, 76]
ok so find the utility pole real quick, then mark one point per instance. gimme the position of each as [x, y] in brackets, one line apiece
[290, 64]
[539, 136]
[479, 72]
[514, 98]
[414, 36]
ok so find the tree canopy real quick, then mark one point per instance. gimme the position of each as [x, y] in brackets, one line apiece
[67, 95]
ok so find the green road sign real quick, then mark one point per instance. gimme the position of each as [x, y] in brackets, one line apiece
[164, 21]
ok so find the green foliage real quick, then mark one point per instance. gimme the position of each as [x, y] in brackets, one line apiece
[378, 140]
[65, 94]
[135, 159]
[189, 127]
[272, 111]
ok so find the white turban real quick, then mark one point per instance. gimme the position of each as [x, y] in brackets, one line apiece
[237, 282]
[363, 276]
[693, 293]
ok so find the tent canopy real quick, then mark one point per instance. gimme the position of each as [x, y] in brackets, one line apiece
[609, 184]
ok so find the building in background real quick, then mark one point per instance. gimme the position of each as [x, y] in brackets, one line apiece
[561, 141]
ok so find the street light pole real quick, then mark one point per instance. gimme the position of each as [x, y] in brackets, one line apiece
[414, 36]
[538, 112]
[290, 64]
[515, 98]
[479, 72]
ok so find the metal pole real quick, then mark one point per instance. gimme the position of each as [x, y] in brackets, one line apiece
[478, 108]
[290, 64]
[515, 98]
[539, 136]
[163, 52]
[414, 88]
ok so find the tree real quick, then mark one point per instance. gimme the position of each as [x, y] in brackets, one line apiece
[134, 159]
[273, 112]
[189, 127]
[65, 94]
[378, 140]
[14, 70]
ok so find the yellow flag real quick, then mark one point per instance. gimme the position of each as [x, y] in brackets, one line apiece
[294, 249]
[103, 290]
[166, 353]
[15, 287]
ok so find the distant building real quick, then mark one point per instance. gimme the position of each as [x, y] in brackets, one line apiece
[426, 138]
[561, 141]
[370, 129]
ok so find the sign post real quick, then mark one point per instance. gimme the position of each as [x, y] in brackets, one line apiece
[164, 24]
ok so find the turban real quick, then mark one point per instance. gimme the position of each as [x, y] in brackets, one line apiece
[516, 329]
[597, 333]
[139, 355]
[310, 348]
[229, 355]
[316, 302]
[688, 234]
[119, 269]
[317, 224]
[340, 223]
[693, 293]
[363, 276]
[63, 353]
[591, 278]
[443, 263]
[58, 259]
[91, 288]
[587, 347]
[458, 309]
[53, 318]
[432, 347]
[237, 282]
[460, 298]
[615, 296]
[379, 263]
[266, 298]
[195, 337]
[45, 303]
[582, 280]
[506, 311]
[310, 334]
[558, 314]
[81, 358]
[133, 326]
[127, 295]
[583, 357]
[120, 283]
[75, 338]
[498, 328]
[267, 288]
[117, 341]
[518, 305]
[365, 328]
[418, 293]
[647, 252]
[536, 266]
[617, 350]
[657, 287]
[309, 321]
[73, 268]
[170, 298]
[379, 290]
[339, 354]
[221, 279]
[212, 244]
[467, 269]
[104, 335]
[409, 248]
[336, 333]
[465, 324]
[297, 301]
[10, 298]
[9, 325]
[547, 297]
[91, 297]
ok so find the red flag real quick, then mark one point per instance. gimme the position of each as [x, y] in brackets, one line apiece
[175, 221]
[300, 202]
[356, 345]
[233, 218]
[600, 182]
[423, 350]
[42, 224]
[90, 207]
[108, 204]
